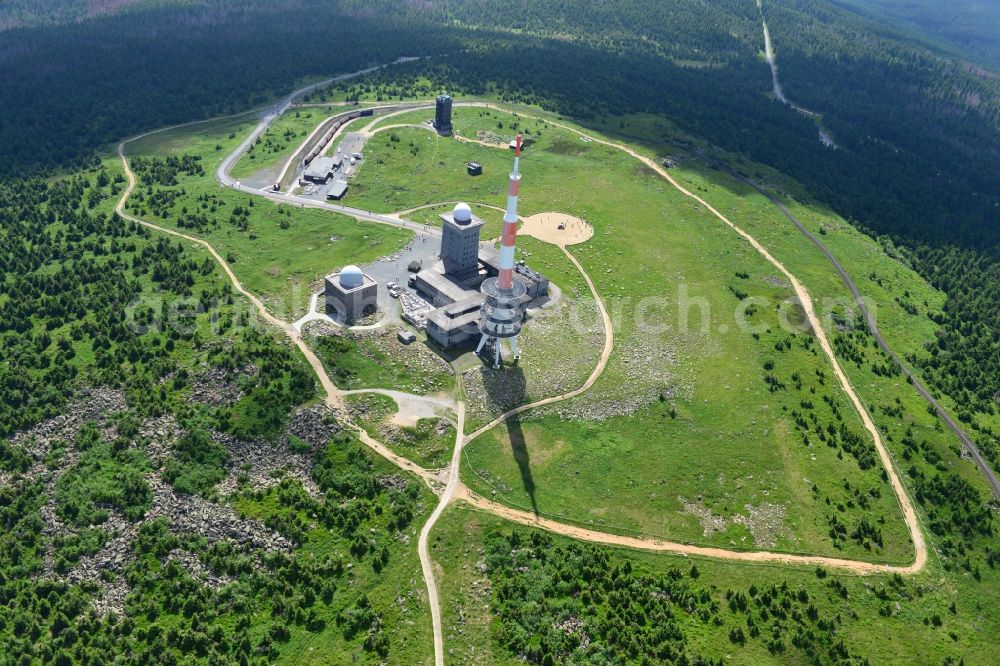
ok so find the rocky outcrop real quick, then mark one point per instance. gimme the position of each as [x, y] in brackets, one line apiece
[219, 386]
[185, 514]
[91, 405]
[261, 464]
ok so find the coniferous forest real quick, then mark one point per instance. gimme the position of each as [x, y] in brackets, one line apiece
[917, 162]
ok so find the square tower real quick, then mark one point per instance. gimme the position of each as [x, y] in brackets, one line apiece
[442, 115]
[350, 294]
[460, 243]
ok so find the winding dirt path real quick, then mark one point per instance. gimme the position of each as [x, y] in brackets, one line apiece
[609, 344]
[455, 489]
[453, 486]
[903, 499]
[334, 397]
[656, 545]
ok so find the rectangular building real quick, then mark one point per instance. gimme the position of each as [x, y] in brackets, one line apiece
[455, 323]
[442, 115]
[337, 190]
[320, 170]
[460, 243]
[350, 294]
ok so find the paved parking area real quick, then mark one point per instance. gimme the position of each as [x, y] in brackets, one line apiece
[424, 249]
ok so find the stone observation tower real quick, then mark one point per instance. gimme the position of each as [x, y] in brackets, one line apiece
[442, 115]
[460, 243]
[503, 296]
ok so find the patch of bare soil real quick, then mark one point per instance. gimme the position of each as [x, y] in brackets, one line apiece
[557, 228]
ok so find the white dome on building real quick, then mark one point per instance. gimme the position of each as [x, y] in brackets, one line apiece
[351, 277]
[462, 213]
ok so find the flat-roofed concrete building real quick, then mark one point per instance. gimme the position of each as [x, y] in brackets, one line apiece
[320, 170]
[337, 190]
[439, 288]
[456, 322]
[350, 294]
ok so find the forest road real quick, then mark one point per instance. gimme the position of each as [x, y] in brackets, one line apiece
[873, 328]
[903, 499]
[426, 564]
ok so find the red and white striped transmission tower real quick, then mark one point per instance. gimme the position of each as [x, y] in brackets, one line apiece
[503, 297]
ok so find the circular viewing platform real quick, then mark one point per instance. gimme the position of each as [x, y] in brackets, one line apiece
[497, 297]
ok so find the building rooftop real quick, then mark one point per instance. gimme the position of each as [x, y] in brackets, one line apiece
[334, 280]
[458, 314]
[440, 282]
[472, 222]
[320, 168]
[337, 189]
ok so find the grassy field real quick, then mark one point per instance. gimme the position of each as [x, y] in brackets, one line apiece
[377, 359]
[427, 443]
[279, 252]
[276, 144]
[884, 619]
[684, 385]
[431, 215]
[899, 297]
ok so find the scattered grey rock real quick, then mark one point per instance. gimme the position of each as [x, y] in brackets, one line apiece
[764, 522]
[219, 386]
[776, 281]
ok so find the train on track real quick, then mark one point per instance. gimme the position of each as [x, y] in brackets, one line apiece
[328, 136]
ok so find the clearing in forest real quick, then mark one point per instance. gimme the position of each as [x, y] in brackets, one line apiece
[717, 420]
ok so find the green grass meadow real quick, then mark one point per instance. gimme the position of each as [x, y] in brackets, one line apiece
[286, 250]
[688, 391]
